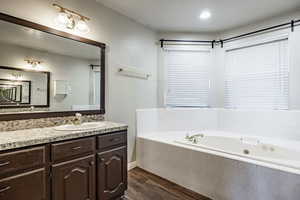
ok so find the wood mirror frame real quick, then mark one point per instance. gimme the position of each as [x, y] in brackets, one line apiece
[37, 115]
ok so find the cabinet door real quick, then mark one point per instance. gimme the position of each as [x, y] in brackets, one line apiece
[74, 180]
[112, 173]
[30, 185]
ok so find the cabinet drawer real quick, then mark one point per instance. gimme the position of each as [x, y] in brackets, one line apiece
[30, 185]
[112, 140]
[23, 159]
[72, 148]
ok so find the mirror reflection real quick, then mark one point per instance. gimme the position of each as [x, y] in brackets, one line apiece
[23, 88]
[41, 71]
[14, 92]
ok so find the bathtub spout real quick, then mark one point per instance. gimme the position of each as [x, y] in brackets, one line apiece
[193, 138]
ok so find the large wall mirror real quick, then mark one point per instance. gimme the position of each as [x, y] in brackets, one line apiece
[45, 72]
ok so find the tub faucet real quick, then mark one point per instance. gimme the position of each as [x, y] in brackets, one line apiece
[193, 138]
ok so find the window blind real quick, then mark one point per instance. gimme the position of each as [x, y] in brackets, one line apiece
[257, 77]
[187, 78]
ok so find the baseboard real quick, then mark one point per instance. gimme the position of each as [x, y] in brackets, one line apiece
[132, 165]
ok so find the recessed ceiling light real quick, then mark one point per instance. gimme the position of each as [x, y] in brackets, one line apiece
[205, 15]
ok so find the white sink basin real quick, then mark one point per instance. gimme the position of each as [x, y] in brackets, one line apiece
[81, 127]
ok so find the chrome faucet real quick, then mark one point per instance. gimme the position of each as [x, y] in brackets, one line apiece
[194, 138]
[77, 120]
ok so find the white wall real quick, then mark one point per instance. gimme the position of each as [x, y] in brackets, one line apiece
[129, 43]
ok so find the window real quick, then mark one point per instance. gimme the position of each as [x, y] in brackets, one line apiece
[257, 77]
[188, 78]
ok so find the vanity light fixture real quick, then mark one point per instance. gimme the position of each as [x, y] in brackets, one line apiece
[33, 63]
[71, 19]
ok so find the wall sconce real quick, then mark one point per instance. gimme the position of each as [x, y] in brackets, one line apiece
[33, 63]
[71, 19]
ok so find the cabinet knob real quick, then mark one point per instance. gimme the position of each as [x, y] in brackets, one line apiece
[114, 139]
[92, 163]
[76, 148]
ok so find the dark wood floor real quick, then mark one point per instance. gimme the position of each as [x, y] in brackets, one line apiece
[145, 186]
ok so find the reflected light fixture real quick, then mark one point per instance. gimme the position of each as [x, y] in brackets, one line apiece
[16, 76]
[205, 15]
[71, 20]
[33, 63]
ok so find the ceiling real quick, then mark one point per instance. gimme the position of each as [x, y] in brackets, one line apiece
[183, 15]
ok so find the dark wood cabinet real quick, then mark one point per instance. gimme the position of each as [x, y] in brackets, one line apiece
[112, 173]
[30, 185]
[71, 149]
[22, 160]
[107, 142]
[90, 168]
[74, 180]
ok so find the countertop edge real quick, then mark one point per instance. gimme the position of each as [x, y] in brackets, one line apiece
[50, 139]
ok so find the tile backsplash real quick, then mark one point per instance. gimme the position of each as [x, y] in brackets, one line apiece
[44, 122]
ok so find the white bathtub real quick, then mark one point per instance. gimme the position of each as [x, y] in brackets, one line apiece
[217, 167]
[253, 148]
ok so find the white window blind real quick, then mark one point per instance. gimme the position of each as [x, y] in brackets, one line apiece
[257, 77]
[187, 78]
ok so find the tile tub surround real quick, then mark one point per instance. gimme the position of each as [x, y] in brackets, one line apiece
[281, 124]
[29, 137]
[44, 122]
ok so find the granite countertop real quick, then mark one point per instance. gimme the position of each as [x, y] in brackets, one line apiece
[30, 137]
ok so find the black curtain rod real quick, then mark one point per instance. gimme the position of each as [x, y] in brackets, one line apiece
[292, 24]
[192, 41]
[202, 41]
[94, 65]
[221, 41]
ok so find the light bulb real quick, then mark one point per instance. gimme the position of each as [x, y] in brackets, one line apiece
[82, 26]
[62, 18]
[38, 66]
[205, 15]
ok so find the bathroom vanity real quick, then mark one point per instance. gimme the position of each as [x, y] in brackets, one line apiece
[46, 164]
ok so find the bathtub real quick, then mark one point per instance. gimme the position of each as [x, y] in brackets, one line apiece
[218, 166]
[255, 149]
[239, 155]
